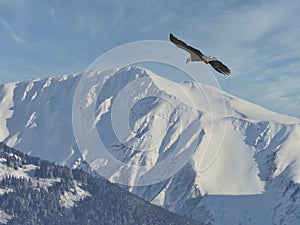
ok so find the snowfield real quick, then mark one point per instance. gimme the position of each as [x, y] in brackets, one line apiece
[244, 160]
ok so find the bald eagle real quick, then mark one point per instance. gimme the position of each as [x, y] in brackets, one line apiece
[196, 55]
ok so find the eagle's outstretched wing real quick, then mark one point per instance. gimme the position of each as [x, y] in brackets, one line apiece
[184, 46]
[220, 67]
[197, 55]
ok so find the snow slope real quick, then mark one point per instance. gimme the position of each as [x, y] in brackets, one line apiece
[244, 165]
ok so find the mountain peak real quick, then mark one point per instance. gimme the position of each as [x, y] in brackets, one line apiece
[228, 146]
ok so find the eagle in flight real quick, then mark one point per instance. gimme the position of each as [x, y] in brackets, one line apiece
[197, 55]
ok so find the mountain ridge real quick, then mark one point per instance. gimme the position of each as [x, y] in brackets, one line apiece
[242, 150]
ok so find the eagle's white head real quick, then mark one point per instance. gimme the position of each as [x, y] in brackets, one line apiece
[207, 59]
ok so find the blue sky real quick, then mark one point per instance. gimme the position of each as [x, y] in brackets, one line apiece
[259, 40]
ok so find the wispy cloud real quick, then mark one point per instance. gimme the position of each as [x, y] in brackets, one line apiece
[262, 45]
[259, 40]
[11, 31]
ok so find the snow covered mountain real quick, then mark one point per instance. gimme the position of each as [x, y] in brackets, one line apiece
[244, 161]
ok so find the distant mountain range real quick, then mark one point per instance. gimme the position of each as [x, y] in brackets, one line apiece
[244, 164]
